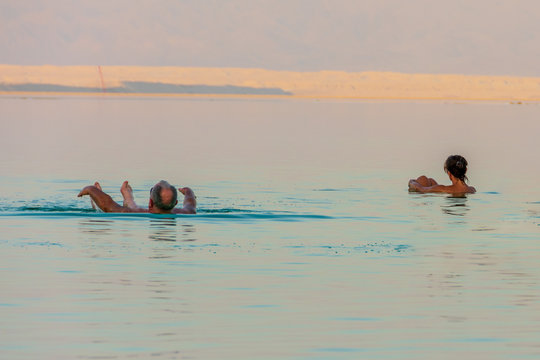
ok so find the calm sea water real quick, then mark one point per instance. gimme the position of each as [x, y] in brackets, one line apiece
[307, 244]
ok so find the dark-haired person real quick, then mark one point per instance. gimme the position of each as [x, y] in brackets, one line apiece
[163, 199]
[456, 168]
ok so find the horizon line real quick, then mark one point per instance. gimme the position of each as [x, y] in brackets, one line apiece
[277, 70]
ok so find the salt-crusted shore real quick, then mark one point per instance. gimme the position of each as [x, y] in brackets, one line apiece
[323, 84]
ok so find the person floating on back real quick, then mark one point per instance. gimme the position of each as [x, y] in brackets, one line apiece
[456, 167]
[163, 199]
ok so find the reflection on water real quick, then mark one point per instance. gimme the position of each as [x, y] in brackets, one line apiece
[96, 226]
[169, 230]
[163, 230]
[455, 205]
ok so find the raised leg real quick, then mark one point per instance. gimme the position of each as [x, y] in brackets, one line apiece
[127, 194]
[94, 206]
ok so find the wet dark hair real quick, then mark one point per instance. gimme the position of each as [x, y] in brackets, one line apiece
[155, 195]
[457, 166]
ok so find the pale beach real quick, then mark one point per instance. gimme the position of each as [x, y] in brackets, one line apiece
[237, 81]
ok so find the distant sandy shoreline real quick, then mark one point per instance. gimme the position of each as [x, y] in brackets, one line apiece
[259, 83]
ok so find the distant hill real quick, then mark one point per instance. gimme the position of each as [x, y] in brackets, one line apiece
[142, 87]
[238, 81]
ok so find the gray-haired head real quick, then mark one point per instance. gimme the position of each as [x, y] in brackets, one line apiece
[156, 194]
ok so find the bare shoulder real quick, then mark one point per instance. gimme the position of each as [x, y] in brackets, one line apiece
[460, 191]
[434, 189]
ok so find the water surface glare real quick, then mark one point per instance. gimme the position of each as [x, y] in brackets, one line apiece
[306, 244]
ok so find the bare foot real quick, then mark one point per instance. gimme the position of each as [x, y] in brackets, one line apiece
[127, 194]
[94, 206]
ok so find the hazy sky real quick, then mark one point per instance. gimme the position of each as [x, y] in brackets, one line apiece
[415, 36]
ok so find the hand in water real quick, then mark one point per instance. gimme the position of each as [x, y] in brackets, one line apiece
[190, 200]
[412, 185]
[184, 190]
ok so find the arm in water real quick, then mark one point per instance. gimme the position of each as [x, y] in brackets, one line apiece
[424, 184]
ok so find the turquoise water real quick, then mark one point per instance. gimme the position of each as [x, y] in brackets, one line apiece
[307, 244]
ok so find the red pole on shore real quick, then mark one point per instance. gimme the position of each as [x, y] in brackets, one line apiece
[103, 89]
